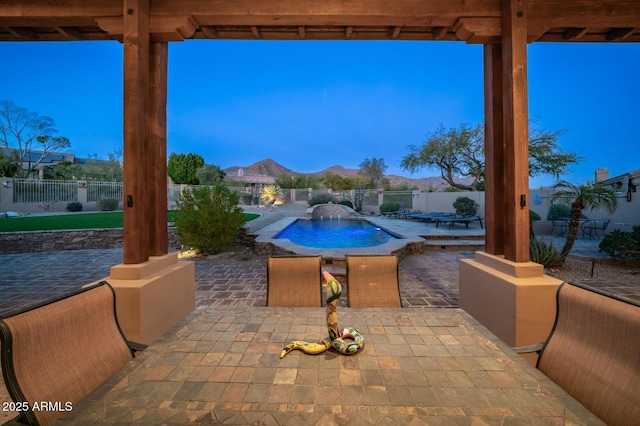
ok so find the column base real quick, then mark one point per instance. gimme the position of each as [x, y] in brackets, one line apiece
[515, 300]
[153, 296]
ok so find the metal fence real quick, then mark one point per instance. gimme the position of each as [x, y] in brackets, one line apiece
[44, 191]
[100, 190]
[403, 198]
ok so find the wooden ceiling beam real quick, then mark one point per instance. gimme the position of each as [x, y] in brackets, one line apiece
[474, 20]
[318, 21]
[61, 9]
[209, 32]
[348, 33]
[69, 33]
[22, 33]
[163, 29]
[478, 30]
[617, 34]
[328, 8]
[439, 33]
[574, 33]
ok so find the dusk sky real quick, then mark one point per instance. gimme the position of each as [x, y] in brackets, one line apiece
[310, 105]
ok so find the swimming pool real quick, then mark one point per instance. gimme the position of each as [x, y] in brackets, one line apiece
[335, 233]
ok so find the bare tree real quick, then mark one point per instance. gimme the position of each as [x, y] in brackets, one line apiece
[27, 137]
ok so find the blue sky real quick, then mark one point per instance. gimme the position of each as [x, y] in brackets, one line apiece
[310, 105]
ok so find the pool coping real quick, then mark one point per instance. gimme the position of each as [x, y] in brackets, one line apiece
[265, 236]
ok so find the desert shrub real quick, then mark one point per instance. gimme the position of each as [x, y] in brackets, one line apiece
[621, 245]
[544, 253]
[534, 216]
[559, 210]
[74, 207]
[107, 204]
[209, 219]
[465, 206]
[389, 206]
[346, 203]
[323, 198]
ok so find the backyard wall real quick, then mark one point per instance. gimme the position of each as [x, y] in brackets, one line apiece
[41, 241]
[39, 198]
[624, 218]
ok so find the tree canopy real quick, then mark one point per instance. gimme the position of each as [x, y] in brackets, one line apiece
[297, 181]
[210, 174]
[29, 135]
[182, 168]
[459, 153]
[372, 170]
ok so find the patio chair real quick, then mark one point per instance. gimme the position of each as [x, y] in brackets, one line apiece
[59, 351]
[372, 281]
[294, 281]
[593, 351]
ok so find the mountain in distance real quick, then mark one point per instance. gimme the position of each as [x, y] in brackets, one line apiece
[266, 167]
[269, 167]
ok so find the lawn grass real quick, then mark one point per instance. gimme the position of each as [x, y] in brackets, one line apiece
[74, 221]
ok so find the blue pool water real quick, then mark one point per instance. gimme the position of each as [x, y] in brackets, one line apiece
[334, 233]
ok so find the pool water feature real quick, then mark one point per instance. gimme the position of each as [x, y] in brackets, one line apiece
[335, 233]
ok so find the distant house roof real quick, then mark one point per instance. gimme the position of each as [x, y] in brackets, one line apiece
[49, 158]
[621, 183]
[251, 179]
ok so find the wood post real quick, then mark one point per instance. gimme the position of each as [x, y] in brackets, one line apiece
[136, 165]
[145, 140]
[157, 179]
[494, 151]
[515, 130]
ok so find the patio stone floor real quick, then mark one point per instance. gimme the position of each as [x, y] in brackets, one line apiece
[34, 277]
[220, 365]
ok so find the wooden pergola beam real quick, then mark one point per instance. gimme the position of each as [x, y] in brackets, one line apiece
[619, 34]
[574, 33]
[136, 163]
[494, 150]
[515, 130]
[477, 21]
[157, 153]
[439, 33]
[69, 33]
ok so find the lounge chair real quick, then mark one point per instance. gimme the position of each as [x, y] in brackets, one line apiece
[372, 281]
[294, 281]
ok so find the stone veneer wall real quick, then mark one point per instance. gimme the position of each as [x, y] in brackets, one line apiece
[41, 241]
[327, 210]
[266, 248]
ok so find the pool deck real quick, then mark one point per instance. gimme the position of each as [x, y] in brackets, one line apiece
[412, 232]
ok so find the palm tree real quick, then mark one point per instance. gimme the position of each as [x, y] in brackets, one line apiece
[588, 196]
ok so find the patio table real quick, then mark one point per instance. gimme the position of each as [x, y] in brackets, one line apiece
[436, 365]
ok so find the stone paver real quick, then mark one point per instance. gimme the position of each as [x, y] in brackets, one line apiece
[418, 366]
